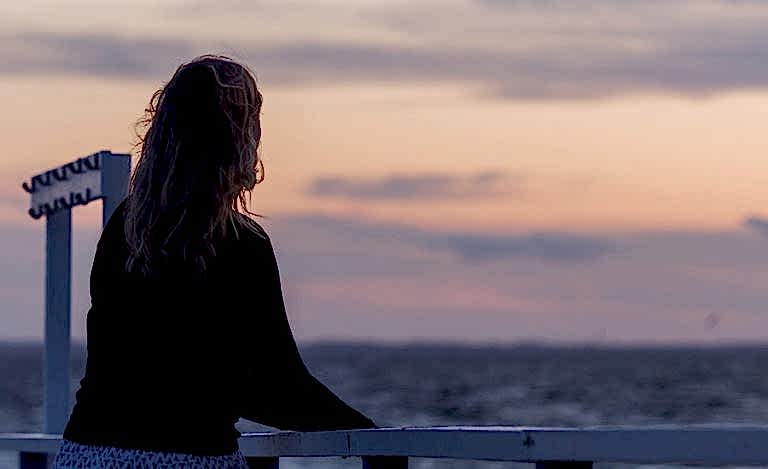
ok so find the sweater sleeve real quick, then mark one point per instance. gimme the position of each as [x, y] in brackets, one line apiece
[280, 390]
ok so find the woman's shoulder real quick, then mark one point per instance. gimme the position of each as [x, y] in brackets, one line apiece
[248, 234]
[246, 249]
[248, 228]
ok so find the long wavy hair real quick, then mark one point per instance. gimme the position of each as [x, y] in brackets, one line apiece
[198, 160]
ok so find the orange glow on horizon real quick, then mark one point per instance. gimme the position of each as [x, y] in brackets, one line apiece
[636, 162]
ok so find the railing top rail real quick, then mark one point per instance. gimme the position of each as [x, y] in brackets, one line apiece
[691, 444]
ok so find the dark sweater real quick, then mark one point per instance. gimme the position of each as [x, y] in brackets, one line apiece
[174, 359]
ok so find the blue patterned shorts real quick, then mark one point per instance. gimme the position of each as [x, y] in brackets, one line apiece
[73, 455]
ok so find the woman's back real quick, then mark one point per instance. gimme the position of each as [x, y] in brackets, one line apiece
[163, 358]
[176, 358]
[187, 330]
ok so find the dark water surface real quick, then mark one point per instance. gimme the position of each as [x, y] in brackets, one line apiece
[514, 385]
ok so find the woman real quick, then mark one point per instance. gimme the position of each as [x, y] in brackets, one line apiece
[187, 330]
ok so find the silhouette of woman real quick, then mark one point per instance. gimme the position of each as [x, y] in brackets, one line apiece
[187, 330]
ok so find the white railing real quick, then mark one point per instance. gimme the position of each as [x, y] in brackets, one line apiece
[54, 194]
[715, 445]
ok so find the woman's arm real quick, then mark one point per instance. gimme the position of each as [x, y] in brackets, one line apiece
[282, 393]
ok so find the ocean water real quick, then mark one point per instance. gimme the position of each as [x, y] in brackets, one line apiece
[512, 385]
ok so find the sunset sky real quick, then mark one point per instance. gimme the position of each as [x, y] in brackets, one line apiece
[478, 170]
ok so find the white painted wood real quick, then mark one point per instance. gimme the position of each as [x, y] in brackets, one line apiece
[29, 442]
[115, 172]
[703, 444]
[53, 194]
[79, 176]
[58, 295]
[76, 183]
[698, 444]
[295, 444]
[693, 444]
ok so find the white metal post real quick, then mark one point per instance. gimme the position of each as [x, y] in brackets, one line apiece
[115, 171]
[103, 175]
[58, 274]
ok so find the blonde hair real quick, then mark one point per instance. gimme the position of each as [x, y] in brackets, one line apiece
[198, 159]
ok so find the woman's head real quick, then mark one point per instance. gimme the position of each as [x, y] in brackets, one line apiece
[197, 161]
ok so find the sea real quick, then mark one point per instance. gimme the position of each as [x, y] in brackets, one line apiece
[446, 384]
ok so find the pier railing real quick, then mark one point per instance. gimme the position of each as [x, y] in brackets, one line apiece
[547, 448]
